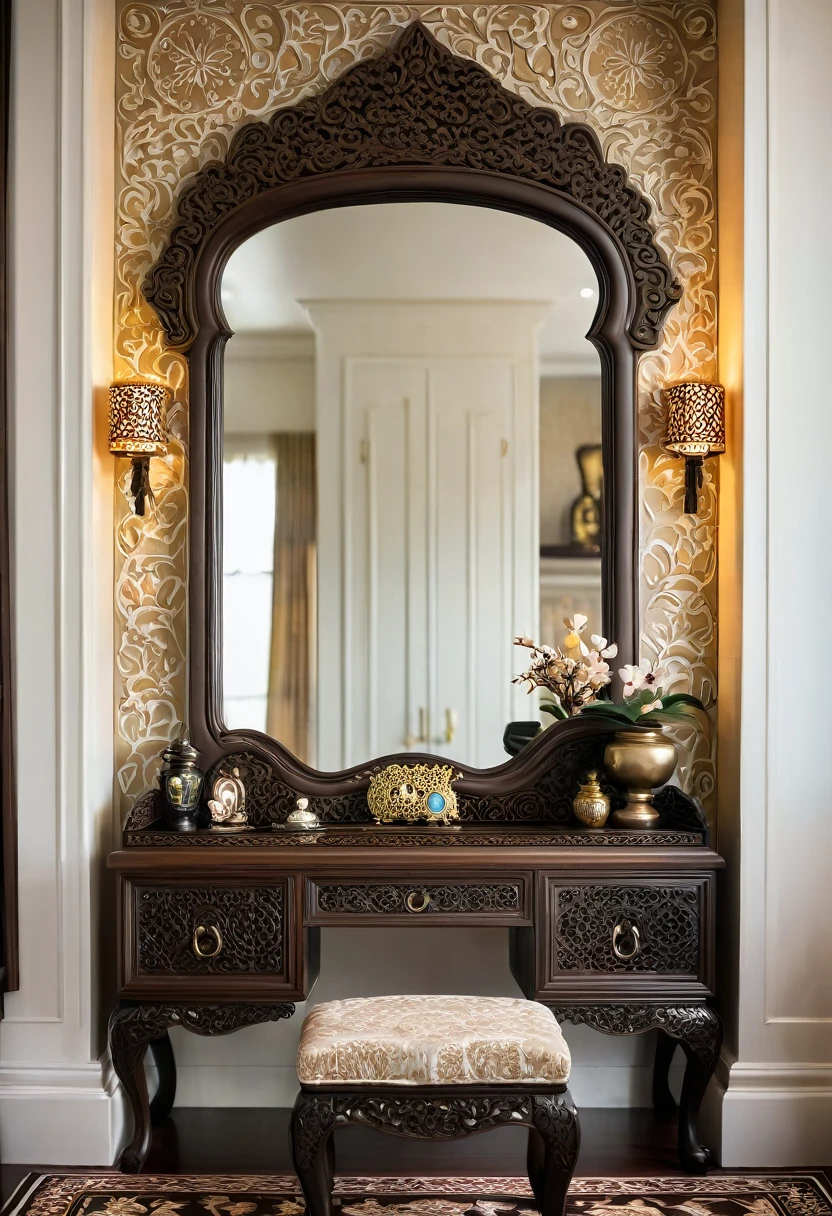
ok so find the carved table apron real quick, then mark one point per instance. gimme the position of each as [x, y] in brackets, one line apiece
[614, 929]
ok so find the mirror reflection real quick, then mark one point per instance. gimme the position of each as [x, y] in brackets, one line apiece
[412, 475]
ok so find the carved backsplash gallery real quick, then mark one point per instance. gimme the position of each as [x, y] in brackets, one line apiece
[191, 72]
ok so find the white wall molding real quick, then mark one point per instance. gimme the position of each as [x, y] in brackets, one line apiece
[57, 1103]
[69, 1114]
[773, 1117]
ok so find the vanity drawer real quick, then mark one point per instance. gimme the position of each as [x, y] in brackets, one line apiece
[393, 900]
[627, 936]
[208, 939]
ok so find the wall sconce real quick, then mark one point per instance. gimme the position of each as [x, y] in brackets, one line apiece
[695, 429]
[138, 412]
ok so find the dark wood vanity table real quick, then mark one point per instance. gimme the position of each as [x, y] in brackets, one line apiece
[611, 928]
[222, 931]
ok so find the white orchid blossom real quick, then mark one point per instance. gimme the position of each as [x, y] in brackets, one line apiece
[643, 675]
[606, 651]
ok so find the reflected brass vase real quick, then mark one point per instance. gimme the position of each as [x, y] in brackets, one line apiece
[639, 761]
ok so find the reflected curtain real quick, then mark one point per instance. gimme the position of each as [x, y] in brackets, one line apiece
[292, 668]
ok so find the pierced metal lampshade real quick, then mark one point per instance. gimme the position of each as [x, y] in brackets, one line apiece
[138, 414]
[695, 429]
[138, 418]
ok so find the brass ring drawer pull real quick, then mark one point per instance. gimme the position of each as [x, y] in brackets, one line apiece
[201, 948]
[625, 928]
[417, 901]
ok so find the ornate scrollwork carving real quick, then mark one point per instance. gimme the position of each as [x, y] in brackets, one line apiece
[544, 798]
[249, 922]
[392, 840]
[311, 1121]
[440, 1116]
[416, 104]
[667, 919]
[148, 809]
[697, 1027]
[386, 898]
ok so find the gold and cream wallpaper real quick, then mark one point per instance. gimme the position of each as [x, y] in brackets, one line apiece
[191, 72]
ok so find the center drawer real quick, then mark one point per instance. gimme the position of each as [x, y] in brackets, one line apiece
[459, 900]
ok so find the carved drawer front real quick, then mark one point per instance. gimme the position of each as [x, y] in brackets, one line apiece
[628, 935]
[412, 900]
[209, 939]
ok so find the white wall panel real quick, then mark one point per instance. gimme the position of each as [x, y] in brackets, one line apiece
[55, 1102]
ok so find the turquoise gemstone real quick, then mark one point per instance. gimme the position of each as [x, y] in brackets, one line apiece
[436, 803]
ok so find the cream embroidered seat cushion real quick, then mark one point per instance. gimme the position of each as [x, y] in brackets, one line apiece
[432, 1040]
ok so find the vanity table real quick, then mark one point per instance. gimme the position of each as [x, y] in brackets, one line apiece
[611, 928]
[422, 535]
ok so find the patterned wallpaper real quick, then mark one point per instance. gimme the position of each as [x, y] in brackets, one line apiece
[191, 72]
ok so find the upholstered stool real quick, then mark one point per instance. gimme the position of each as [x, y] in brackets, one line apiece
[434, 1068]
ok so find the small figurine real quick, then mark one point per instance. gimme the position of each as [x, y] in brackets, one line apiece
[591, 805]
[301, 818]
[228, 804]
[181, 782]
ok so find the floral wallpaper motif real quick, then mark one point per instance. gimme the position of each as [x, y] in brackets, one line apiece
[191, 72]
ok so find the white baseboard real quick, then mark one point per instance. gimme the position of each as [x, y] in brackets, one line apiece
[59, 1115]
[275, 1085]
[770, 1115]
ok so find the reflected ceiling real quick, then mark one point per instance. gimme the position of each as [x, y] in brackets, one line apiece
[456, 252]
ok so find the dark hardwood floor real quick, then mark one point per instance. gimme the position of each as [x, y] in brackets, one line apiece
[623, 1142]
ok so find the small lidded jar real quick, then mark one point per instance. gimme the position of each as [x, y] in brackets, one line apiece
[181, 783]
[591, 805]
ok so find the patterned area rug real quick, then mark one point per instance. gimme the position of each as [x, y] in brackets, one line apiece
[110, 1194]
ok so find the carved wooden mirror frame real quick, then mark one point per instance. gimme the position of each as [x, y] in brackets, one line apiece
[418, 123]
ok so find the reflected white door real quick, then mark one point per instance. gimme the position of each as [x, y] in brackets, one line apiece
[429, 557]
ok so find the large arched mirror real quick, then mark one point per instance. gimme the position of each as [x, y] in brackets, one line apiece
[411, 317]
[412, 475]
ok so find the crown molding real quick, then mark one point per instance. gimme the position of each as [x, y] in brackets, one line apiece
[255, 345]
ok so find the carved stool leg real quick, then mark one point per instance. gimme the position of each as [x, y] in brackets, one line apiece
[162, 1103]
[664, 1103]
[556, 1122]
[536, 1163]
[310, 1134]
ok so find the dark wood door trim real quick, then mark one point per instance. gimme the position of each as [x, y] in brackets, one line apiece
[8, 790]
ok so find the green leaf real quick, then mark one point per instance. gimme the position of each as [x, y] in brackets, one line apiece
[682, 698]
[553, 708]
[605, 709]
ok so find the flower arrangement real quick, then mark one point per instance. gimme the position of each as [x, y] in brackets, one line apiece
[573, 682]
[576, 681]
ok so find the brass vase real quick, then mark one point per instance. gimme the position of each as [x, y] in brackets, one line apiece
[639, 761]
